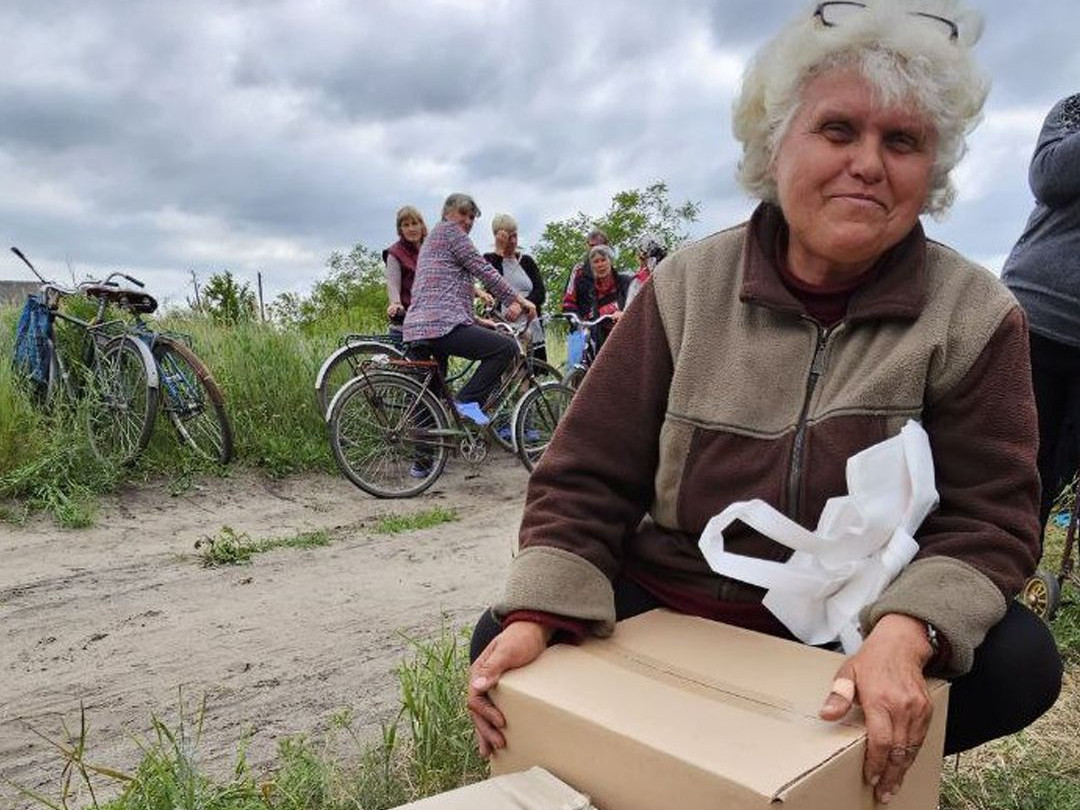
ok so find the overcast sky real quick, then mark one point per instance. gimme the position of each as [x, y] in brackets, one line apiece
[163, 138]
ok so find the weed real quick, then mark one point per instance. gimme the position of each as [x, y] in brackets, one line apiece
[395, 524]
[230, 547]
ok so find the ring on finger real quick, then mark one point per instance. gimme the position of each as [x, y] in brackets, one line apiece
[900, 754]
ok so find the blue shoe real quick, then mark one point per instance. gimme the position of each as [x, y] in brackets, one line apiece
[532, 435]
[472, 411]
[504, 433]
[418, 470]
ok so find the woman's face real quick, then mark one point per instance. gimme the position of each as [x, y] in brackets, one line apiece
[852, 176]
[412, 230]
[506, 242]
[601, 264]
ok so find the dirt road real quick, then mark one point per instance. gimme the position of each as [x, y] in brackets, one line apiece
[122, 615]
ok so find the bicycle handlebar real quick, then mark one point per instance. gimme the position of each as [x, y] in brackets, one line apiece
[574, 319]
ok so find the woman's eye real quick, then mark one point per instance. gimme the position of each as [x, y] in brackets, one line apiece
[836, 131]
[904, 143]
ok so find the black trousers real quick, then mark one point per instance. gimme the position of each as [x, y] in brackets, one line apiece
[494, 350]
[1016, 675]
[1055, 375]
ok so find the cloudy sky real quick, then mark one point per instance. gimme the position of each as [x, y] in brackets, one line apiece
[202, 135]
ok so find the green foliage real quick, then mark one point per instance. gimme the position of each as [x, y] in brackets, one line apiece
[394, 524]
[230, 547]
[435, 754]
[353, 292]
[227, 301]
[632, 214]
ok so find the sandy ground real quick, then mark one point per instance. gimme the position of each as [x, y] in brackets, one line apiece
[122, 615]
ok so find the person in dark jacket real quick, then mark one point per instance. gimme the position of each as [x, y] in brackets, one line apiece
[598, 289]
[1043, 272]
[520, 271]
[758, 360]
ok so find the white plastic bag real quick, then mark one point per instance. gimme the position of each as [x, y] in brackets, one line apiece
[861, 542]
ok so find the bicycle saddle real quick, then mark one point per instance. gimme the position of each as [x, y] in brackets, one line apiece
[134, 300]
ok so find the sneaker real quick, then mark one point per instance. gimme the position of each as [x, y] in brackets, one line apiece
[418, 470]
[472, 411]
[532, 435]
[503, 433]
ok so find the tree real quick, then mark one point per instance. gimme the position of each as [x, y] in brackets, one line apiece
[354, 290]
[227, 301]
[632, 214]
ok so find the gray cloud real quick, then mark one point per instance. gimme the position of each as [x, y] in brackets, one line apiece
[263, 135]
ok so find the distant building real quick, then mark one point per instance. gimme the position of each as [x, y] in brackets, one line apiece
[15, 292]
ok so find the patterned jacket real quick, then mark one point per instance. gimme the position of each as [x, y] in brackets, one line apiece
[442, 292]
[728, 391]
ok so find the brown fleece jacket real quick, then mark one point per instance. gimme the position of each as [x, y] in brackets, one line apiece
[725, 390]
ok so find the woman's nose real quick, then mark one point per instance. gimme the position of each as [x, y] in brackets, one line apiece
[866, 160]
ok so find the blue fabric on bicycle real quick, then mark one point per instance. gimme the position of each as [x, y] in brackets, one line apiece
[575, 348]
[31, 341]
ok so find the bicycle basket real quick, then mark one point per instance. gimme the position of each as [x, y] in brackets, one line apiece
[31, 341]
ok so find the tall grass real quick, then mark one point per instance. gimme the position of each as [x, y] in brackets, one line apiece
[426, 749]
[267, 374]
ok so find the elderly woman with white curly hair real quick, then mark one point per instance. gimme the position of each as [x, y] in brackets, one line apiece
[761, 358]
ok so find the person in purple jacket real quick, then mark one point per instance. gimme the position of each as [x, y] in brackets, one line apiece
[441, 312]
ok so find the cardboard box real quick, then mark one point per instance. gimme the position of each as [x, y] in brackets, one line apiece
[678, 712]
[534, 789]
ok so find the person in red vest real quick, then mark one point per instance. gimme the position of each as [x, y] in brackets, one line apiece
[400, 259]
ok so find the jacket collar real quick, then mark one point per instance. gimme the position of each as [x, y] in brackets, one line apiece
[895, 289]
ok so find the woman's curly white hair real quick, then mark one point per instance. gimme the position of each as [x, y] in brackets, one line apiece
[900, 53]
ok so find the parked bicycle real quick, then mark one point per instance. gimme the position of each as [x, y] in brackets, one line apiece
[176, 381]
[190, 399]
[115, 380]
[392, 427]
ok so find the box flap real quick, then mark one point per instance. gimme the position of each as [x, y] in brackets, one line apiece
[534, 789]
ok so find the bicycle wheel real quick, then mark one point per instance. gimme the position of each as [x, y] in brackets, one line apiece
[536, 417]
[192, 401]
[574, 377]
[502, 419]
[121, 400]
[388, 434]
[344, 364]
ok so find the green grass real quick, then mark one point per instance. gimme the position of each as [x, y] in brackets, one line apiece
[1039, 768]
[266, 373]
[229, 547]
[395, 524]
[425, 749]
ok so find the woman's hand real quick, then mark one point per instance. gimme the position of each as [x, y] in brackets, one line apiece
[395, 310]
[517, 645]
[886, 677]
[528, 307]
[485, 298]
[513, 311]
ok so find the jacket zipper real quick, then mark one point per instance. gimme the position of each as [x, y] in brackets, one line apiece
[817, 367]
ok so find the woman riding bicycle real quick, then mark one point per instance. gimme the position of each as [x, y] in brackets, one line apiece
[400, 259]
[441, 312]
